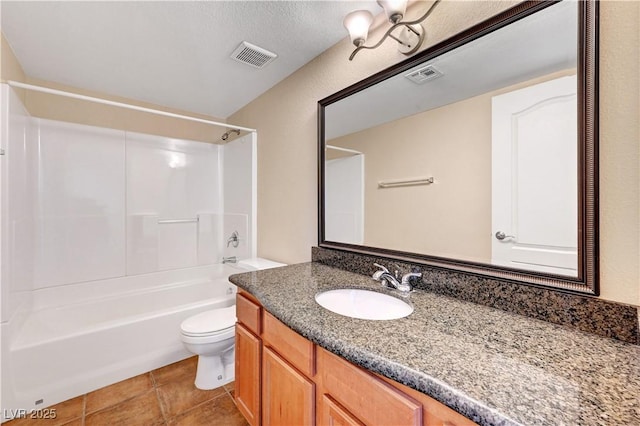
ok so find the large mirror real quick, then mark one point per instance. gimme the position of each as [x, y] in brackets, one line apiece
[479, 154]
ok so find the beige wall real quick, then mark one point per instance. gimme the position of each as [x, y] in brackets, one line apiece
[285, 117]
[620, 151]
[456, 207]
[83, 112]
[10, 68]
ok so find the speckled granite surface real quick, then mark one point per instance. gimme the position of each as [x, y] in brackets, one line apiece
[584, 313]
[495, 367]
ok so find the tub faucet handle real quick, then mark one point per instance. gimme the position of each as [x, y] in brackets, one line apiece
[234, 239]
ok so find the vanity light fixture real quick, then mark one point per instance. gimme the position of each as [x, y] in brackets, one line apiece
[411, 33]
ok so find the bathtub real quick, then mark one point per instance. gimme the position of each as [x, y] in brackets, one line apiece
[105, 332]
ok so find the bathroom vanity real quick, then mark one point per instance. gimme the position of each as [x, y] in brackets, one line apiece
[303, 384]
[449, 362]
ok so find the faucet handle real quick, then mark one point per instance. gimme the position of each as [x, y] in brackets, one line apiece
[381, 267]
[377, 274]
[407, 277]
[234, 239]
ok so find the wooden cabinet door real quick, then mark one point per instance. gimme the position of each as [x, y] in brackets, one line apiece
[247, 382]
[333, 414]
[288, 397]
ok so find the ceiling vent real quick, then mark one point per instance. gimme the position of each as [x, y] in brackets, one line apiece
[424, 74]
[253, 55]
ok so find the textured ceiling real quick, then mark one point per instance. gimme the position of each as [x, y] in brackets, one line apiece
[170, 53]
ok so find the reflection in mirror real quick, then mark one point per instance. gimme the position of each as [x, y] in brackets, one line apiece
[472, 155]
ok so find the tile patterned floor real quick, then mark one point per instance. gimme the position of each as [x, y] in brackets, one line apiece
[165, 396]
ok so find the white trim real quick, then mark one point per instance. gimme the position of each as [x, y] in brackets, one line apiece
[254, 195]
[123, 105]
[337, 148]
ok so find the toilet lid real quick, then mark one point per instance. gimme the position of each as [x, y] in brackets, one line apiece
[210, 321]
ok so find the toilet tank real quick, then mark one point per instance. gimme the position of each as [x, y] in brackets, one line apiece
[258, 263]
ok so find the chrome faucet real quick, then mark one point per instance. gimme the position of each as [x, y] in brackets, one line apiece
[390, 280]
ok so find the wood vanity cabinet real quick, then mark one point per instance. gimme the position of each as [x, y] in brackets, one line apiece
[248, 359]
[284, 379]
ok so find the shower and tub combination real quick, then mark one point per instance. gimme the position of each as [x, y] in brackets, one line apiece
[110, 240]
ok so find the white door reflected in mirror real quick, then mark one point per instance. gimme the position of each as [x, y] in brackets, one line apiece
[534, 177]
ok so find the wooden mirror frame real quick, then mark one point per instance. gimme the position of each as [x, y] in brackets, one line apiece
[587, 280]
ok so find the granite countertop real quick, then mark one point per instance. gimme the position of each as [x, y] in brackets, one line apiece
[492, 366]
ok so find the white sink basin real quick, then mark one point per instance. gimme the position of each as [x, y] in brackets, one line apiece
[363, 304]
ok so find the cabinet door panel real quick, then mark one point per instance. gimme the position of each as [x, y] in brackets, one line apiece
[247, 382]
[333, 414]
[288, 398]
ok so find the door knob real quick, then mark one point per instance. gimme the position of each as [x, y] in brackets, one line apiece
[501, 235]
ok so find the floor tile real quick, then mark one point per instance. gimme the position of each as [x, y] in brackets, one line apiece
[176, 371]
[180, 396]
[220, 411]
[65, 412]
[118, 392]
[76, 422]
[143, 410]
[230, 387]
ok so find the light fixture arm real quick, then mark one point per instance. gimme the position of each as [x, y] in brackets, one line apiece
[393, 27]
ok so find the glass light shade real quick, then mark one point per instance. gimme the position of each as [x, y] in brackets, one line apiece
[394, 9]
[358, 23]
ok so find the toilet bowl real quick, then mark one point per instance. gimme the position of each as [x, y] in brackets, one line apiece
[211, 336]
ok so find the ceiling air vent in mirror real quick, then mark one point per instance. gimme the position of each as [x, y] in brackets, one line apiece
[253, 55]
[424, 74]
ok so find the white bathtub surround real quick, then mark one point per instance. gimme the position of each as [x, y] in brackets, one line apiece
[176, 181]
[110, 239]
[210, 237]
[238, 181]
[258, 263]
[86, 203]
[80, 202]
[142, 244]
[238, 223]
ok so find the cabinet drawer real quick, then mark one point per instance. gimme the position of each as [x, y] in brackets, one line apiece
[298, 350]
[368, 398]
[248, 313]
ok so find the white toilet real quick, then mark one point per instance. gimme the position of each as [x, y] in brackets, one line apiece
[211, 336]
